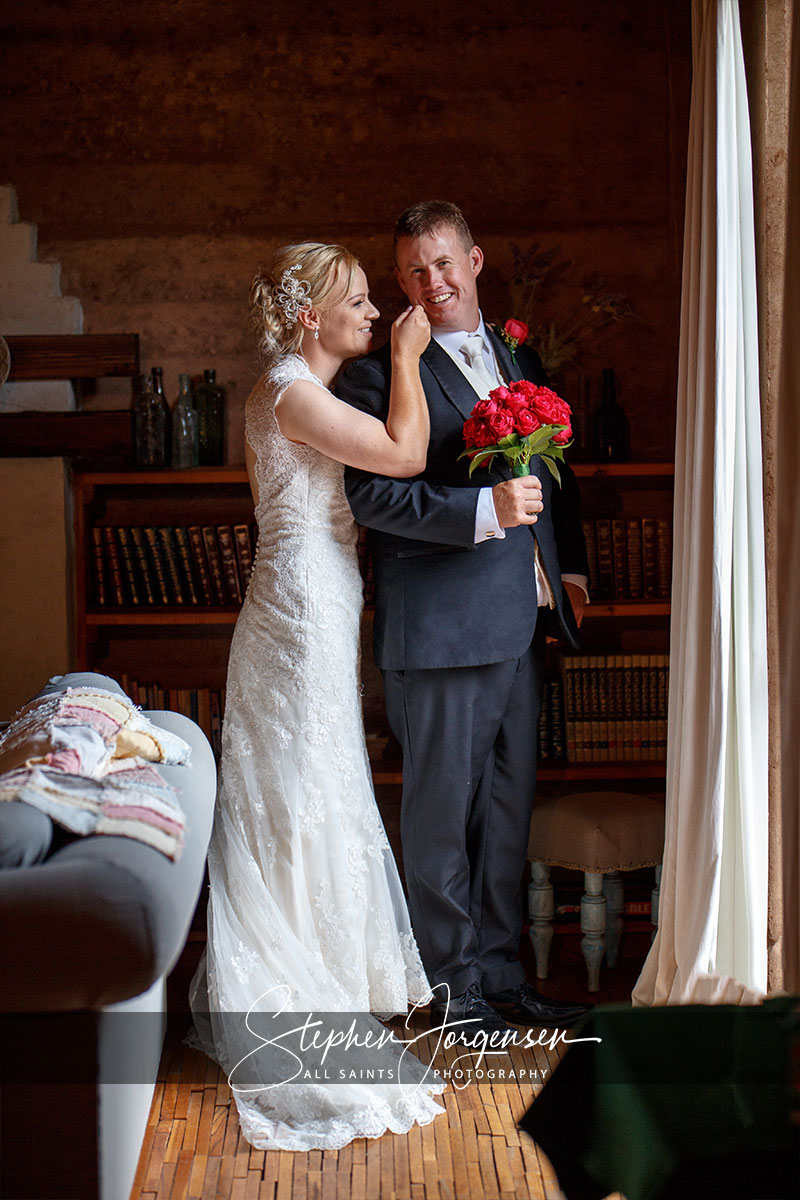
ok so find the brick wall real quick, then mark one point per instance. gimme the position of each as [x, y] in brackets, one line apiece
[164, 149]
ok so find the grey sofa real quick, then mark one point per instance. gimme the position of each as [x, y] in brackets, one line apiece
[90, 927]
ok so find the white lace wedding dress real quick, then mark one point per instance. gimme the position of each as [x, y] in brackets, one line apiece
[304, 891]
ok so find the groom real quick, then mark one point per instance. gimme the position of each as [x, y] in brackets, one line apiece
[468, 581]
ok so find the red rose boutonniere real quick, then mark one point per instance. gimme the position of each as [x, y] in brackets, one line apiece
[518, 421]
[512, 333]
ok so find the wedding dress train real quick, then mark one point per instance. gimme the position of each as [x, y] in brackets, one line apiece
[306, 910]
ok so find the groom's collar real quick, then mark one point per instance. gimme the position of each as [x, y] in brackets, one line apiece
[452, 340]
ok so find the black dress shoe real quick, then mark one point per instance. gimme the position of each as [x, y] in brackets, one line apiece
[524, 1006]
[467, 1014]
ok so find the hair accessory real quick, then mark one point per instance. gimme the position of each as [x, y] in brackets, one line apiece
[291, 295]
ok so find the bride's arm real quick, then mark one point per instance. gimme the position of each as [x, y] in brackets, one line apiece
[310, 414]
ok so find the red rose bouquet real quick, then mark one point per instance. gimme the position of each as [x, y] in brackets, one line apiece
[518, 421]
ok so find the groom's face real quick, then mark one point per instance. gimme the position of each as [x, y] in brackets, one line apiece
[440, 273]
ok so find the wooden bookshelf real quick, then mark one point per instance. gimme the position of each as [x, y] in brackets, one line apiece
[187, 646]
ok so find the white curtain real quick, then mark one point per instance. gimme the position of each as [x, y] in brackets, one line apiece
[787, 567]
[712, 939]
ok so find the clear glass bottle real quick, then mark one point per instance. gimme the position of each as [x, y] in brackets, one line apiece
[611, 425]
[185, 439]
[210, 404]
[150, 426]
[157, 377]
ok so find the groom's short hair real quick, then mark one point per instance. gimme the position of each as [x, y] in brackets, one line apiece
[426, 216]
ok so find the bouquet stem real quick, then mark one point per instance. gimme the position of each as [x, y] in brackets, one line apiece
[519, 469]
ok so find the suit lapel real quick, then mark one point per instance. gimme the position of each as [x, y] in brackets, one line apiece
[508, 367]
[453, 382]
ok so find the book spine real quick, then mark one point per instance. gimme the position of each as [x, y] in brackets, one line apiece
[244, 554]
[613, 711]
[200, 560]
[214, 564]
[204, 710]
[595, 721]
[636, 708]
[634, 556]
[544, 748]
[590, 536]
[139, 551]
[227, 553]
[627, 707]
[644, 747]
[113, 564]
[664, 559]
[185, 559]
[215, 706]
[98, 568]
[649, 558]
[604, 734]
[619, 546]
[583, 724]
[605, 561]
[555, 703]
[652, 705]
[663, 704]
[165, 534]
[568, 680]
[129, 574]
[159, 568]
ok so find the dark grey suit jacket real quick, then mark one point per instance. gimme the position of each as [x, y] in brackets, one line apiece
[441, 600]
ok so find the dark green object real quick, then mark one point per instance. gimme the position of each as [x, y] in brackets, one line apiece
[209, 400]
[156, 374]
[151, 419]
[676, 1103]
[610, 425]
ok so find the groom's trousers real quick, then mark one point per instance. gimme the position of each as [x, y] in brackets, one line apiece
[469, 740]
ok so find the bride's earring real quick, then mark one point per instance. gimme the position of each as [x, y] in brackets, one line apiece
[316, 335]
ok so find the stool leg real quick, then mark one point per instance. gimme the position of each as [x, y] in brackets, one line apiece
[655, 896]
[540, 910]
[593, 926]
[614, 892]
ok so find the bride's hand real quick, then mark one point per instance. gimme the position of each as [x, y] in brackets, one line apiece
[411, 333]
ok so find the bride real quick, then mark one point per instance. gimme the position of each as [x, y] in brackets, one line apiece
[306, 911]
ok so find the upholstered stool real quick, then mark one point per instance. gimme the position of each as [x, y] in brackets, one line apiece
[601, 834]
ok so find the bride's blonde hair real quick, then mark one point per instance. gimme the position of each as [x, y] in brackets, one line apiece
[300, 276]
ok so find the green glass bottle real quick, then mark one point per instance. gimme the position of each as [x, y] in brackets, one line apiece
[157, 376]
[185, 440]
[611, 424]
[209, 399]
[150, 422]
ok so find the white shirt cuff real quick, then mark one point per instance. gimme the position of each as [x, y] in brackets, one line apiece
[581, 581]
[486, 523]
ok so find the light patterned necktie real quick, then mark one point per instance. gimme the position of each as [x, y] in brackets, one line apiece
[473, 348]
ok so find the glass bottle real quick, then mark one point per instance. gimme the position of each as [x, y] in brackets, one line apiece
[185, 441]
[611, 425]
[150, 426]
[210, 404]
[158, 388]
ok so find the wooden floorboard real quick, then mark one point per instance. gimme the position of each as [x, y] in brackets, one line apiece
[194, 1150]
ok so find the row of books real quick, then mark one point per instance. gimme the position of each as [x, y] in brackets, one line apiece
[152, 565]
[205, 706]
[606, 708]
[629, 558]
